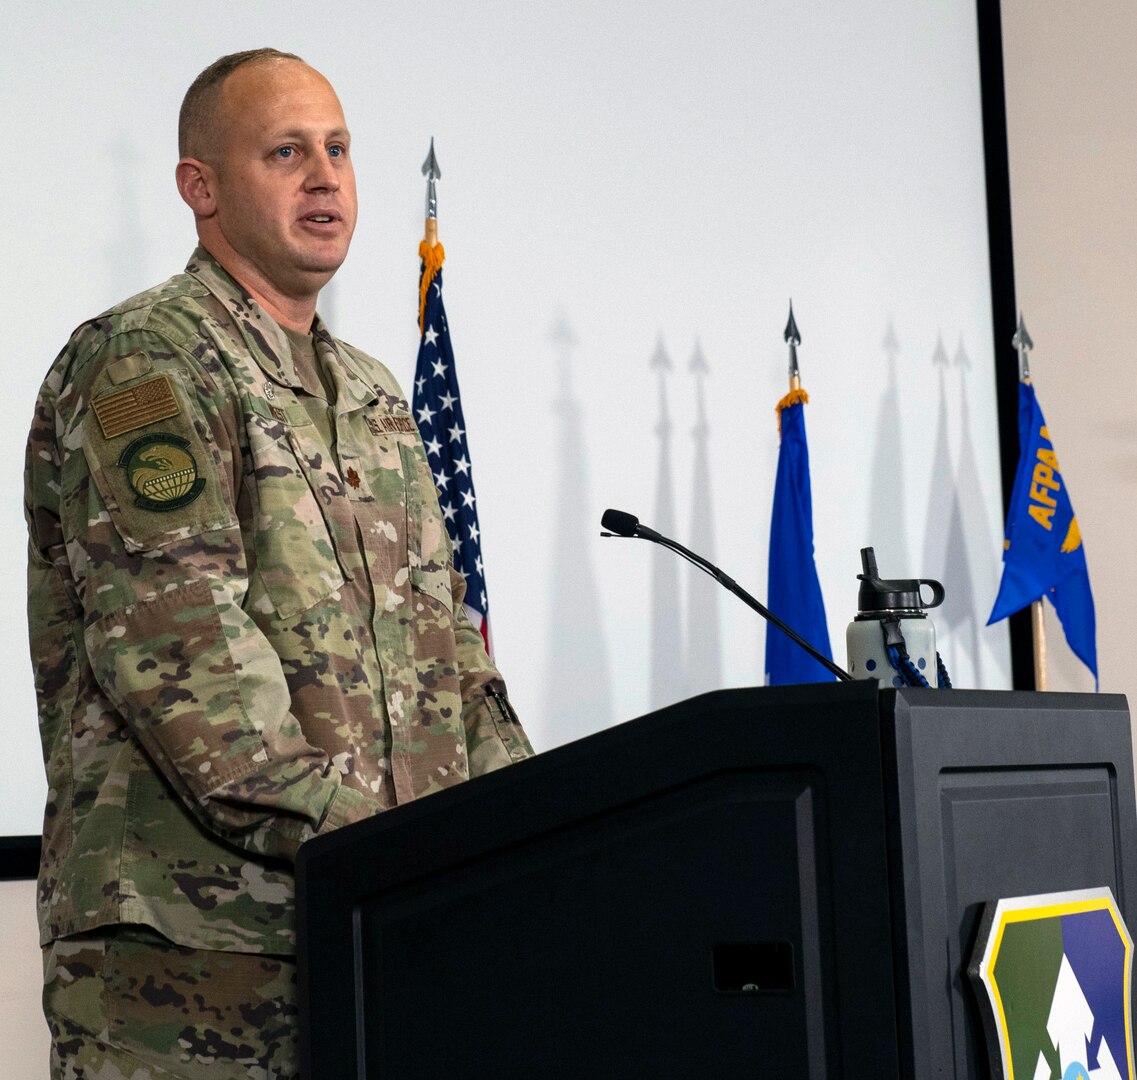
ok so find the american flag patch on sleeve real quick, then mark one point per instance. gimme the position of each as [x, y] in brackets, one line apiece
[127, 410]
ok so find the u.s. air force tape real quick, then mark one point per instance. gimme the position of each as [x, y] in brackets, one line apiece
[383, 424]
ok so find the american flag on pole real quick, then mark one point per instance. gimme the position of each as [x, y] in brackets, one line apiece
[438, 410]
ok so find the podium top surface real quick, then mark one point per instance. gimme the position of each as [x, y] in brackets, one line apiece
[719, 730]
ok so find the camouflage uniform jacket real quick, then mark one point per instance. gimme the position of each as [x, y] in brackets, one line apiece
[242, 636]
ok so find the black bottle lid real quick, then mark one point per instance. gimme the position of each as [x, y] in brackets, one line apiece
[877, 596]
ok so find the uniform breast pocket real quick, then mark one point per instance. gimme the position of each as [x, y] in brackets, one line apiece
[427, 541]
[297, 564]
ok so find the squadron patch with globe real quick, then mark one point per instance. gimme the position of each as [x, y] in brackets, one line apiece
[161, 471]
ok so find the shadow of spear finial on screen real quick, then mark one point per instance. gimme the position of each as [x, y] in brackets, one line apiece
[961, 359]
[890, 345]
[565, 342]
[941, 486]
[661, 362]
[888, 495]
[668, 683]
[578, 685]
[940, 356]
[968, 528]
[704, 652]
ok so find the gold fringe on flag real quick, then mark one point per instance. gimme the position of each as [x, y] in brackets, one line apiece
[794, 397]
[433, 256]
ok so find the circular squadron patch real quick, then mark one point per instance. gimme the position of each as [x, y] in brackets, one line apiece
[161, 471]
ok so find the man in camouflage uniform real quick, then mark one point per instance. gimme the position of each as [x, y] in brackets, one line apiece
[245, 625]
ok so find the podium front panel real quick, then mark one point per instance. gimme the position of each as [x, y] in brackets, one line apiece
[699, 892]
[784, 881]
[994, 795]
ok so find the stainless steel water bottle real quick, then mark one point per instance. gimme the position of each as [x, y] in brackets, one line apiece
[891, 638]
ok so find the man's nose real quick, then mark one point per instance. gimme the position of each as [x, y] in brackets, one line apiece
[322, 175]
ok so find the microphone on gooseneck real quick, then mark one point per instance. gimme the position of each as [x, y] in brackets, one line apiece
[621, 523]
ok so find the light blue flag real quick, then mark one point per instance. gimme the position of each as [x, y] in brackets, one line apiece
[1043, 554]
[793, 592]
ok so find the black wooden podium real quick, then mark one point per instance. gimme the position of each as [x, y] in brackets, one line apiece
[770, 882]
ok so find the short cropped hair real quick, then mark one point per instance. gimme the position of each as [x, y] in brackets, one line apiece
[197, 121]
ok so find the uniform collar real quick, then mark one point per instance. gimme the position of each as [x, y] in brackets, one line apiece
[268, 343]
[353, 390]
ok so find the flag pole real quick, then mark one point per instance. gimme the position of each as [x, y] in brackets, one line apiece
[437, 406]
[1039, 632]
[1022, 342]
[432, 253]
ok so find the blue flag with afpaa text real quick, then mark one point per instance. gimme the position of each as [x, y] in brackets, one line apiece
[1043, 554]
[793, 592]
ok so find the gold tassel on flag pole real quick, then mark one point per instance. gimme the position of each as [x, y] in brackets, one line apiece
[1023, 344]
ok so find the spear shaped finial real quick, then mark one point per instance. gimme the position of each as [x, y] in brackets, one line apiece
[1022, 342]
[432, 173]
[793, 339]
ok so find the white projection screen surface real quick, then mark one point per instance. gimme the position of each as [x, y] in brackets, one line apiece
[631, 195]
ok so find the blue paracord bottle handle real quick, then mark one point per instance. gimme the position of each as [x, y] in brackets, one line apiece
[911, 676]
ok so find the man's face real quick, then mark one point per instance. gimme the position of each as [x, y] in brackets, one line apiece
[286, 202]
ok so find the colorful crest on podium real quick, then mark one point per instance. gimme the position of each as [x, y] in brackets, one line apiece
[1053, 976]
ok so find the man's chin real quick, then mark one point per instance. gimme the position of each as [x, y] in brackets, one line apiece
[319, 271]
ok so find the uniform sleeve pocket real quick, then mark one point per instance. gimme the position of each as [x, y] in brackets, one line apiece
[146, 449]
[167, 667]
[428, 545]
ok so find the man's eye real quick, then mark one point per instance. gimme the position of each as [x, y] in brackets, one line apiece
[284, 152]
[335, 151]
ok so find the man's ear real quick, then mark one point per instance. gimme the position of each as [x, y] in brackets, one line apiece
[197, 185]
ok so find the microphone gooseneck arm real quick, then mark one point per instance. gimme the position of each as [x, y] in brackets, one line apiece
[622, 524]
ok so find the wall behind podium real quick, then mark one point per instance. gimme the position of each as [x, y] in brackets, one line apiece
[1072, 141]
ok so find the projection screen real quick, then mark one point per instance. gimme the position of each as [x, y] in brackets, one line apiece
[631, 196]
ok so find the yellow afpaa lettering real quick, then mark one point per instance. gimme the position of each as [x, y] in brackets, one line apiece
[1044, 483]
[1044, 477]
[1048, 457]
[1042, 516]
[1044, 433]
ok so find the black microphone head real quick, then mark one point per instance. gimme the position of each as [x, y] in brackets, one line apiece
[620, 522]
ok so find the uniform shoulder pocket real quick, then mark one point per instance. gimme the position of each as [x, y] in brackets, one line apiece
[151, 457]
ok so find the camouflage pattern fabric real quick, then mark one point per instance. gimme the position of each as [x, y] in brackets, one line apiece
[245, 627]
[127, 1006]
